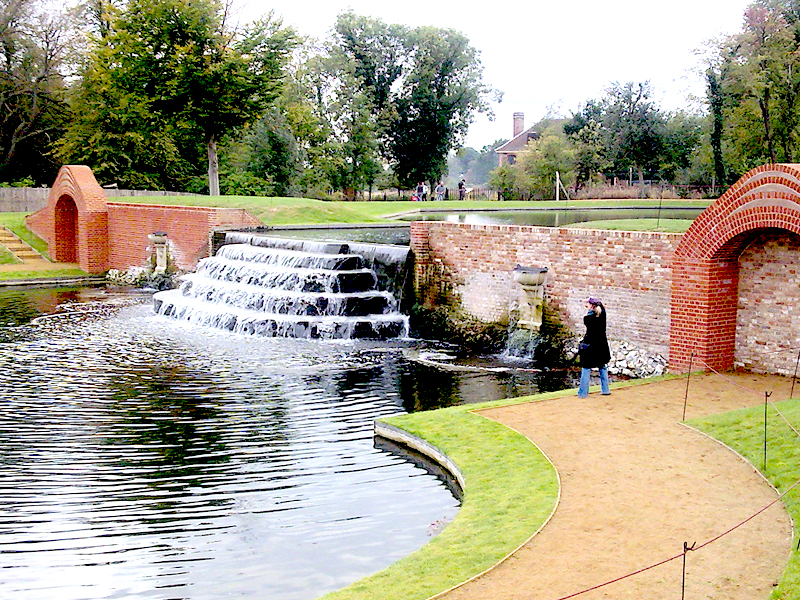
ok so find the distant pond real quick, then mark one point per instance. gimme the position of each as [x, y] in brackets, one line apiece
[550, 217]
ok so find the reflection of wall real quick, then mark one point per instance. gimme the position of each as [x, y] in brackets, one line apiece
[629, 271]
[767, 324]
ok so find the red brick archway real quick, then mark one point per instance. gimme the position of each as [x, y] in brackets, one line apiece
[75, 221]
[66, 230]
[705, 270]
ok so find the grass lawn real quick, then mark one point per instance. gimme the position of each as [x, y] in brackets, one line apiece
[661, 225]
[22, 275]
[303, 211]
[743, 430]
[500, 510]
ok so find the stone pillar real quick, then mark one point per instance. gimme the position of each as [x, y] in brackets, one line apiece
[159, 240]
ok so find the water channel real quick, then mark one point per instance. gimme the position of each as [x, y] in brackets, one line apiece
[147, 458]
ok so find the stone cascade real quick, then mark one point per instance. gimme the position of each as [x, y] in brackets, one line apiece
[283, 292]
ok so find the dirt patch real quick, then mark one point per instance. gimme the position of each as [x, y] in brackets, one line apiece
[636, 485]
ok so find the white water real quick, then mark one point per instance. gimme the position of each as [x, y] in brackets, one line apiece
[311, 292]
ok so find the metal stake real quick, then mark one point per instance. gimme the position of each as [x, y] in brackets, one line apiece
[686, 548]
[686, 395]
[766, 403]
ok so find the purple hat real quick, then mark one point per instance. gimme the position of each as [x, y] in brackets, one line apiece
[594, 302]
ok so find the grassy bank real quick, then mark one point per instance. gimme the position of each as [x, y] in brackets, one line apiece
[303, 211]
[511, 490]
[743, 431]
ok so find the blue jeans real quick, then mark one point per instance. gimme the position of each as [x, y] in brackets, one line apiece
[583, 389]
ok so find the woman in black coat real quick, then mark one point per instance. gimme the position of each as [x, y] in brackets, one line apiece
[594, 352]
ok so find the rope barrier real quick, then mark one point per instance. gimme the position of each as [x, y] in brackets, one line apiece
[777, 410]
[693, 548]
[732, 382]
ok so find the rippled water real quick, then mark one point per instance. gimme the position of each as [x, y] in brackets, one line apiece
[145, 458]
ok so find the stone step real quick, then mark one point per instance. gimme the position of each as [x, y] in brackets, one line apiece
[18, 248]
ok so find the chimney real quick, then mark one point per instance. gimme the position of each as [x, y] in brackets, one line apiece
[519, 123]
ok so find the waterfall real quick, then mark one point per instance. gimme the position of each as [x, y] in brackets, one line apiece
[294, 288]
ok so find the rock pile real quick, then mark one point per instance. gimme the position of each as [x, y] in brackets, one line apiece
[630, 360]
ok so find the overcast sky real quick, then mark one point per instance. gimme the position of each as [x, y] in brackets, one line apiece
[550, 55]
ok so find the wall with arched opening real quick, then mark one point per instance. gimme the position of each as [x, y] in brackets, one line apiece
[727, 273]
[81, 226]
[75, 221]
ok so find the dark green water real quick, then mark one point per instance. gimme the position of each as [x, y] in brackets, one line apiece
[145, 458]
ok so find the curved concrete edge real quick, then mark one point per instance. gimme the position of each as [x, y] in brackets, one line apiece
[400, 436]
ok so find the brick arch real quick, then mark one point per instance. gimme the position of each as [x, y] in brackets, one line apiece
[75, 221]
[65, 230]
[705, 269]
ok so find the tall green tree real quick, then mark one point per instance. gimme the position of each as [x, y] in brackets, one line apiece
[424, 85]
[545, 160]
[37, 52]
[165, 83]
[623, 131]
[754, 88]
[634, 128]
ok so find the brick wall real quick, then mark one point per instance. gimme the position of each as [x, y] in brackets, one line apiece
[706, 269]
[767, 323]
[187, 227]
[629, 271]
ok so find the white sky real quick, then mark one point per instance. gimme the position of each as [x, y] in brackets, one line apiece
[551, 55]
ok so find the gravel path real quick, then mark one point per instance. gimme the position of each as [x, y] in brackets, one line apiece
[636, 485]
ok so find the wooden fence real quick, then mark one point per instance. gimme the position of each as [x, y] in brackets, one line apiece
[27, 199]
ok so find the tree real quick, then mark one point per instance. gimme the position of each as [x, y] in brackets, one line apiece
[623, 131]
[542, 159]
[716, 103]
[585, 131]
[504, 180]
[37, 52]
[754, 88]
[474, 166]
[424, 86]
[634, 128]
[171, 78]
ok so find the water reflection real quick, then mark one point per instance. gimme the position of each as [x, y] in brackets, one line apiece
[143, 458]
[552, 217]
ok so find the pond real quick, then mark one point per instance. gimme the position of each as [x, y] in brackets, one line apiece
[552, 217]
[146, 458]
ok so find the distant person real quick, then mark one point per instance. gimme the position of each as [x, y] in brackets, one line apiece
[424, 191]
[421, 191]
[462, 189]
[593, 350]
[440, 189]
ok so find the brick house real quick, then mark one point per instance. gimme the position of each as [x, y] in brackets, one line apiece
[507, 153]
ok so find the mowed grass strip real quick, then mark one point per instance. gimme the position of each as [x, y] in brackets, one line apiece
[743, 431]
[276, 211]
[511, 490]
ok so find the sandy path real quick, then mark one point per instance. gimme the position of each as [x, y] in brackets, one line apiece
[636, 485]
